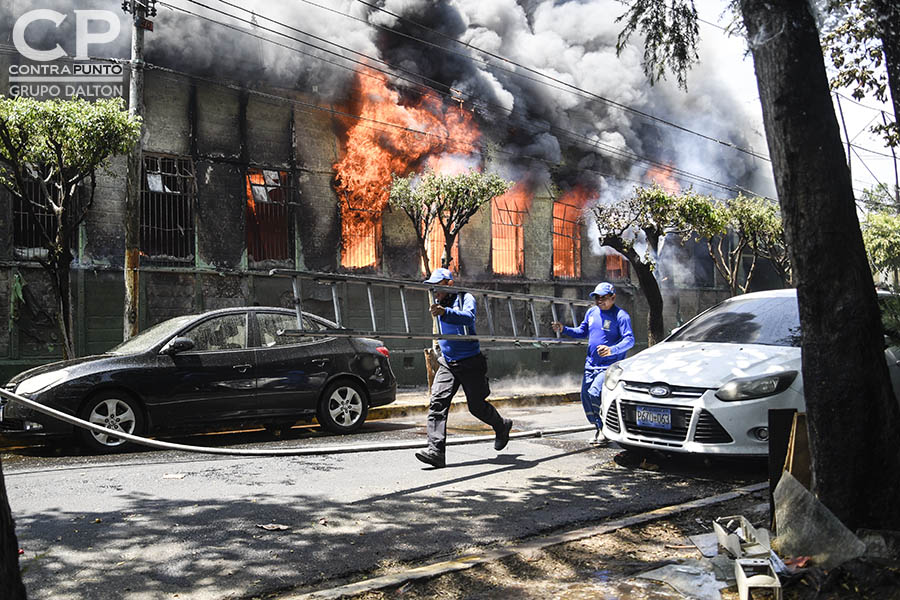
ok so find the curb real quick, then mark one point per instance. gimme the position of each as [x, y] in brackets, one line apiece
[410, 408]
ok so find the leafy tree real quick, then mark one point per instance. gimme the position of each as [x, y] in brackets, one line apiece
[862, 40]
[644, 218]
[881, 231]
[448, 200]
[735, 227]
[841, 324]
[50, 152]
[881, 234]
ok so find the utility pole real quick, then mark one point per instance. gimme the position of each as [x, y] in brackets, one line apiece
[140, 24]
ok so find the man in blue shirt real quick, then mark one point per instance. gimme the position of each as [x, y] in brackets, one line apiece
[461, 364]
[608, 329]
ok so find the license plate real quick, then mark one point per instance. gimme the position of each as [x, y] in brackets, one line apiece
[653, 416]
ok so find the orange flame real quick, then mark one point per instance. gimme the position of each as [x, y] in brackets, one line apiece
[507, 231]
[253, 177]
[435, 241]
[374, 150]
[662, 176]
[567, 231]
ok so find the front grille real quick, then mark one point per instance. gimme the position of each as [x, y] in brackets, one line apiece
[612, 417]
[677, 391]
[681, 419]
[710, 431]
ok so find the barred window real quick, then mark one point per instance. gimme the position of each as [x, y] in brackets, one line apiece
[566, 240]
[268, 215]
[617, 267]
[507, 237]
[31, 225]
[434, 243]
[168, 197]
[361, 237]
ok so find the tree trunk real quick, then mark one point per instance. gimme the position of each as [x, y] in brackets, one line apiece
[851, 410]
[888, 19]
[58, 270]
[648, 284]
[11, 586]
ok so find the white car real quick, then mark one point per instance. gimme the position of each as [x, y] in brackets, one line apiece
[707, 388]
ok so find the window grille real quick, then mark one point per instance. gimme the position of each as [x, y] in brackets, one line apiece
[434, 242]
[29, 226]
[617, 267]
[360, 237]
[507, 238]
[168, 197]
[268, 215]
[566, 240]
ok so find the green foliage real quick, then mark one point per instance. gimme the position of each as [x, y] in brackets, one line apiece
[649, 214]
[59, 145]
[62, 138]
[890, 317]
[451, 200]
[880, 227]
[853, 40]
[881, 235]
[740, 225]
[671, 33]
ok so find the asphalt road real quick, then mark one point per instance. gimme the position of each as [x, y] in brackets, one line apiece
[153, 524]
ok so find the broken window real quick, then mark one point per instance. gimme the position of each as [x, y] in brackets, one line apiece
[616, 267]
[268, 215]
[507, 237]
[168, 196]
[566, 240]
[361, 237]
[434, 243]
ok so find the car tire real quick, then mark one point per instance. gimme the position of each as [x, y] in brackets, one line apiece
[114, 410]
[343, 407]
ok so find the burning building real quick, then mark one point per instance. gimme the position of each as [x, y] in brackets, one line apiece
[272, 163]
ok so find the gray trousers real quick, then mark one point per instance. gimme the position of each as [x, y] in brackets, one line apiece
[471, 374]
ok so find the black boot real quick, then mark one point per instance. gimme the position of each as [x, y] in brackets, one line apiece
[502, 438]
[432, 457]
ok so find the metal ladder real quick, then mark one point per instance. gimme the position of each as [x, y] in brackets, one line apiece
[404, 287]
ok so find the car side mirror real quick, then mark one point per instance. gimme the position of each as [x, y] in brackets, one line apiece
[176, 345]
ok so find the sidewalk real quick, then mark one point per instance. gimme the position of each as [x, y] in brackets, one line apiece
[414, 401]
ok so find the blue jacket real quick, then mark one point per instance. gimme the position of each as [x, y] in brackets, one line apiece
[604, 328]
[459, 319]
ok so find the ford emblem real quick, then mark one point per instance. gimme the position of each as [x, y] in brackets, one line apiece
[660, 391]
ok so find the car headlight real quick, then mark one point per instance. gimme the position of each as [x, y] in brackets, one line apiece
[41, 382]
[612, 376]
[758, 386]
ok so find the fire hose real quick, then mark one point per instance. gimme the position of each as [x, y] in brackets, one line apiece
[321, 451]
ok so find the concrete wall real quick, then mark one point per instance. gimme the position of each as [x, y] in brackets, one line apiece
[225, 131]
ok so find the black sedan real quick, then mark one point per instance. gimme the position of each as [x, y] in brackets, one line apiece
[234, 367]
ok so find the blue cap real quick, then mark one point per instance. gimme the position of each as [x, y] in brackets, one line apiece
[438, 275]
[604, 288]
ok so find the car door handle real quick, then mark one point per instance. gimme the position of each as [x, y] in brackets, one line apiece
[320, 361]
[242, 368]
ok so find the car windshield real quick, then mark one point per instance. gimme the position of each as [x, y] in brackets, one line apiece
[148, 338]
[770, 321]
